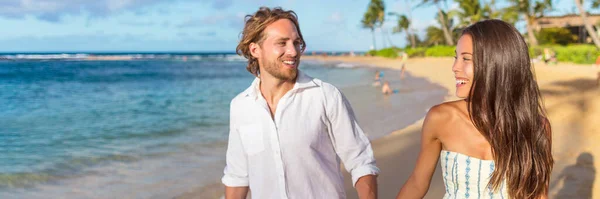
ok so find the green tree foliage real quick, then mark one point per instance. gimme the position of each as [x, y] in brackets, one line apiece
[561, 36]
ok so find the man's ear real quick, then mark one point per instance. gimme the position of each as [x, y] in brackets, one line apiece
[255, 50]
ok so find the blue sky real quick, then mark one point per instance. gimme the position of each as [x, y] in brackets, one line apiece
[189, 25]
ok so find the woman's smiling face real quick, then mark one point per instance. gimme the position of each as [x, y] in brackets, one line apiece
[463, 66]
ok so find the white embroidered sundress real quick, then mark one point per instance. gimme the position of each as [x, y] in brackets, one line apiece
[468, 177]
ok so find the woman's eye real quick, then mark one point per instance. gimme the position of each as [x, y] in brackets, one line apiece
[466, 59]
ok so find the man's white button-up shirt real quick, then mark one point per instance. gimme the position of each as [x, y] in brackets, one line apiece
[297, 153]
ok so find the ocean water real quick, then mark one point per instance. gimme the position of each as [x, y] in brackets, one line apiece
[150, 127]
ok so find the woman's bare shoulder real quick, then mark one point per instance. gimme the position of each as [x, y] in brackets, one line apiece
[443, 114]
[445, 119]
[447, 109]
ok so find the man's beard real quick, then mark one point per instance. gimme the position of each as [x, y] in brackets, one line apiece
[277, 70]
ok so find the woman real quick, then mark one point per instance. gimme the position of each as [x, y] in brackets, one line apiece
[496, 143]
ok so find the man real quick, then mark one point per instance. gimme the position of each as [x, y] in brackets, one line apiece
[289, 131]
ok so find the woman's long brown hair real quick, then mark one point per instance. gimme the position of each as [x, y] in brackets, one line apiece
[505, 105]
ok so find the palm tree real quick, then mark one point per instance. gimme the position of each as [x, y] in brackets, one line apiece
[471, 11]
[508, 14]
[369, 20]
[531, 11]
[489, 8]
[597, 28]
[379, 9]
[374, 17]
[445, 18]
[404, 25]
[435, 36]
[596, 4]
[586, 23]
[441, 14]
[468, 12]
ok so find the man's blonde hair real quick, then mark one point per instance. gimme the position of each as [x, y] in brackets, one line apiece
[254, 28]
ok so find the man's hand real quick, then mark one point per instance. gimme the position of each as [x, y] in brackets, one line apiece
[236, 192]
[366, 187]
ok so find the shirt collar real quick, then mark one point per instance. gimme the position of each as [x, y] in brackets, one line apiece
[302, 81]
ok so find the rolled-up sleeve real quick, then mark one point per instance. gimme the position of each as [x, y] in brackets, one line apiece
[236, 170]
[351, 144]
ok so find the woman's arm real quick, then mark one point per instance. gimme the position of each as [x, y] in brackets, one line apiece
[418, 183]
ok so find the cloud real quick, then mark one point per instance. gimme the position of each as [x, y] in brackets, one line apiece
[208, 20]
[208, 34]
[337, 17]
[196, 35]
[227, 20]
[54, 10]
[404, 7]
[137, 23]
[335, 22]
[222, 4]
[454, 6]
[332, 28]
[182, 34]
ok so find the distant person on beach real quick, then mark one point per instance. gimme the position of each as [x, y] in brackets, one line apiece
[289, 132]
[378, 78]
[549, 56]
[496, 142]
[404, 60]
[387, 90]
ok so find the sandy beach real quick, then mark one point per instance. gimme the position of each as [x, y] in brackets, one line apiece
[571, 100]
